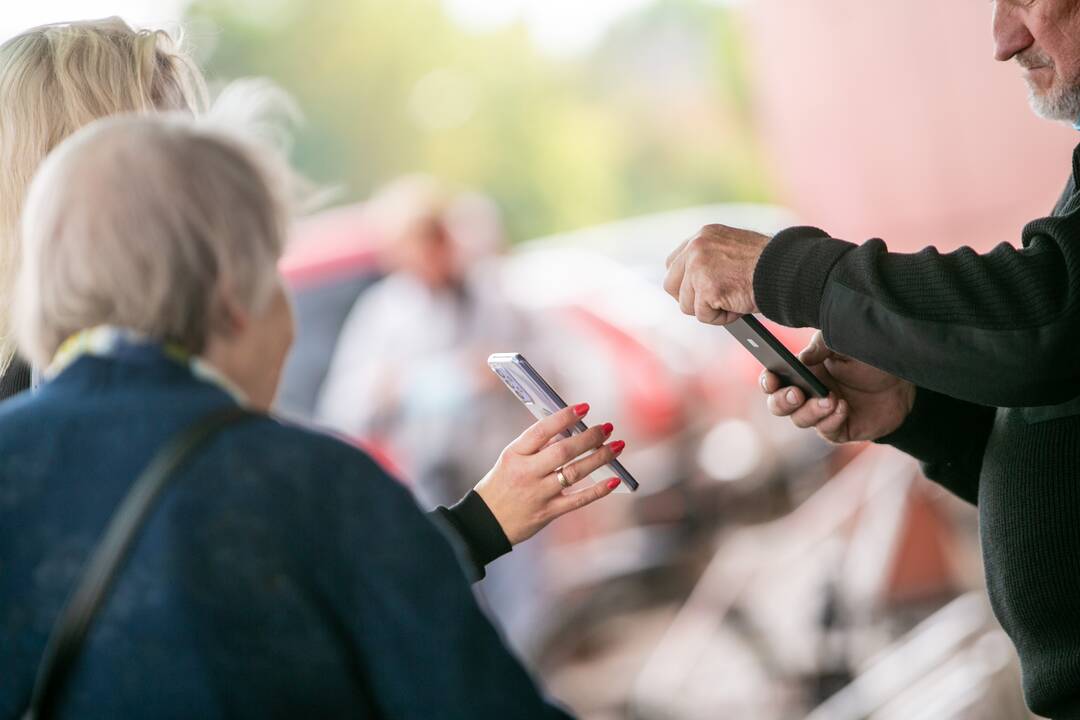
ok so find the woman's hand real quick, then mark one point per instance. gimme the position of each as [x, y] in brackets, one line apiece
[523, 490]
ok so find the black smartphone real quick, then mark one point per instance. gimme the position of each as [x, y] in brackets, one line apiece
[776, 358]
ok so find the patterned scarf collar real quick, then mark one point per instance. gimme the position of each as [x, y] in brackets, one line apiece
[121, 343]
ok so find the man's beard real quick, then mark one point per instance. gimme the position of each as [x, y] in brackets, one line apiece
[1060, 101]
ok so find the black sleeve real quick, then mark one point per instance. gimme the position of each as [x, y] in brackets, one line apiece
[948, 437]
[997, 329]
[473, 531]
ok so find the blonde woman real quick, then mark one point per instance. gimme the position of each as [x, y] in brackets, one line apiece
[53, 80]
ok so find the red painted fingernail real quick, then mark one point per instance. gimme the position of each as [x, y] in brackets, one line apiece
[581, 410]
[617, 446]
[613, 483]
[608, 429]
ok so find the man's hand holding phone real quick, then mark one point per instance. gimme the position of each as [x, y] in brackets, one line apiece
[711, 275]
[865, 403]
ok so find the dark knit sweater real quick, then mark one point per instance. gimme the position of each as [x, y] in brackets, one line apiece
[991, 340]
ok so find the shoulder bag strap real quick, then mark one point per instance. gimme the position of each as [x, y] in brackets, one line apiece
[73, 624]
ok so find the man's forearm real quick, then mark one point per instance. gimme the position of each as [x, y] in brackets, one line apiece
[995, 329]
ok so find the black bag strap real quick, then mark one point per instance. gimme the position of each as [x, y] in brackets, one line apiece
[73, 624]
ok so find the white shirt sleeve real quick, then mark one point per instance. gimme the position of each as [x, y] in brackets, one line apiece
[352, 395]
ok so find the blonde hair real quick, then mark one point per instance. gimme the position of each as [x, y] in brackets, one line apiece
[55, 79]
[152, 224]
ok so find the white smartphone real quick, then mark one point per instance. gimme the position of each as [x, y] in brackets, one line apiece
[538, 397]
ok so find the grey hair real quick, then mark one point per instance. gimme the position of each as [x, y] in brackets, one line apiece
[149, 223]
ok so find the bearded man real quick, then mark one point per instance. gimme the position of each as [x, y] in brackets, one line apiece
[968, 362]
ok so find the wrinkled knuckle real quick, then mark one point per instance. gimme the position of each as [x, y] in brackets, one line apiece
[775, 406]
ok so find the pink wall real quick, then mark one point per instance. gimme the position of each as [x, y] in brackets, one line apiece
[892, 119]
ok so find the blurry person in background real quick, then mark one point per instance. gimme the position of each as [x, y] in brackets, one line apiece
[53, 80]
[282, 574]
[409, 372]
[968, 362]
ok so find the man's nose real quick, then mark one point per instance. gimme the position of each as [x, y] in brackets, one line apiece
[1011, 35]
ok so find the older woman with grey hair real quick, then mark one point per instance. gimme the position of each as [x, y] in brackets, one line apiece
[282, 573]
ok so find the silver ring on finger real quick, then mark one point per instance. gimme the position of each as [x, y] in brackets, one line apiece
[562, 478]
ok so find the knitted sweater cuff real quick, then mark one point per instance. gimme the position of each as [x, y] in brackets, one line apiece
[929, 435]
[791, 274]
[921, 435]
[481, 535]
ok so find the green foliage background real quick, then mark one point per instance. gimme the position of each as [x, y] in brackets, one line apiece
[657, 117]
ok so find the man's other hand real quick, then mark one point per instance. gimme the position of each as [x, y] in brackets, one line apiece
[865, 403]
[712, 273]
